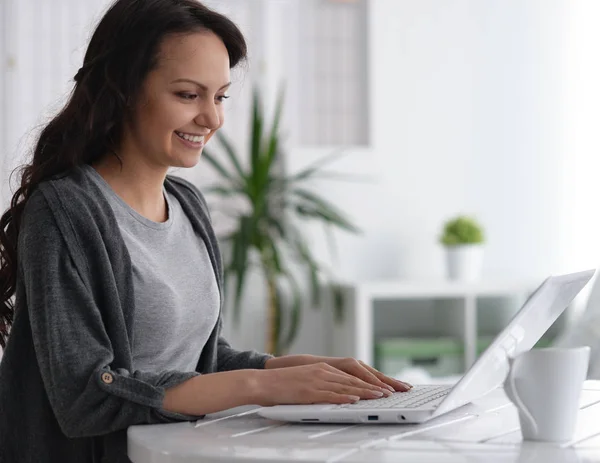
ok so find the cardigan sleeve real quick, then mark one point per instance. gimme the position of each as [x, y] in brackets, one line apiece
[229, 358]
[88, 395]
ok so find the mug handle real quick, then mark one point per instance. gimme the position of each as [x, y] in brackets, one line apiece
[513, 394]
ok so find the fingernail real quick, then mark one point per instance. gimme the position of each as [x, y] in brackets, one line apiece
[353, 398]
[376, 393]
[386, 392]
[390, 388]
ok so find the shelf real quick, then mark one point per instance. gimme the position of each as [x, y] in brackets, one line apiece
[438, 288]
[353, 333]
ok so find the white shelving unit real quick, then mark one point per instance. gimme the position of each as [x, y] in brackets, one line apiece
[353, 336]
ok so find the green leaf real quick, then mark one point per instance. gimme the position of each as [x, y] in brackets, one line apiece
[278, 306]
[273, 145]
[309, 261]
[241, 245]
[231, 153]
[327, 216]
[212, 160]
[294, 314]
[331, 242]
[256, 139]
[225, 191]
[277, 226]
[273, 256]
[338, 303]
[317, 207]
[313, 168]
[340, 176]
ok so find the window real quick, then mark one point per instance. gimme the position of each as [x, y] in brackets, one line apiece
[332, 80]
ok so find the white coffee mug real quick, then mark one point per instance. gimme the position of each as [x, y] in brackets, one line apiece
[545, 386]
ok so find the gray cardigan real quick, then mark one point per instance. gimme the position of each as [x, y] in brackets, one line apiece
[68, 389]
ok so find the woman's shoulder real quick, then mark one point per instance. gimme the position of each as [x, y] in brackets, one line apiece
[70, 210]
[70, 200]
[75, 181]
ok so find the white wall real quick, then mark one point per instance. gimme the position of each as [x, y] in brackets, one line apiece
[482, 107]
[479, 106]
[467, 104]
[581, 160]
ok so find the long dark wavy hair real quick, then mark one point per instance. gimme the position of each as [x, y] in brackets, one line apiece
[121, 53]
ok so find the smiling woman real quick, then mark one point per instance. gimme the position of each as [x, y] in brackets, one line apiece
[110, 272]
[173, 116]
[176, 116]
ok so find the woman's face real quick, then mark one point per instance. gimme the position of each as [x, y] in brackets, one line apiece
[181, 103]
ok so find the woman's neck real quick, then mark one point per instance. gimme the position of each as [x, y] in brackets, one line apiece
[137, 183]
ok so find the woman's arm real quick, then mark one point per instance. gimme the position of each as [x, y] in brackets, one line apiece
[210, 393]
[90, 392]
[304, 384]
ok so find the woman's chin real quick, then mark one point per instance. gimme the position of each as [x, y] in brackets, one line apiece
[187, 161]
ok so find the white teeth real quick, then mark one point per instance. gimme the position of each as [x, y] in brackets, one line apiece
[192, 138]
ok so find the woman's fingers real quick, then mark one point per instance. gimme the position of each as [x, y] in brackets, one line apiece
[368, 374]
[394, 383]
[347, 390]
[371, 377]
[358, 382]
[338, 376]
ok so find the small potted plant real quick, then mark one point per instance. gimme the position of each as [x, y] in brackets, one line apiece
[463, 238]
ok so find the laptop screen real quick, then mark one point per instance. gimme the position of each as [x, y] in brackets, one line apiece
[523, 331]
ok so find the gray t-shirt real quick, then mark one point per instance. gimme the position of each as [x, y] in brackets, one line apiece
[176, 292]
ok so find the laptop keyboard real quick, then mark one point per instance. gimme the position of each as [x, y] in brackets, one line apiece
[413, 398]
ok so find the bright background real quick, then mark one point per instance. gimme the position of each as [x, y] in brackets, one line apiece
[487, 107]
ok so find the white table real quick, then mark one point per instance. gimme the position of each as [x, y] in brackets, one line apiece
[486, 432]
[354, 336]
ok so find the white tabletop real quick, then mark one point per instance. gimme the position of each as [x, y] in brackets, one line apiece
[486, 431]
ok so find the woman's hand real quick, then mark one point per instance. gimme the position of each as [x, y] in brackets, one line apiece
[350, 366]
[311, 384]
[368, 374]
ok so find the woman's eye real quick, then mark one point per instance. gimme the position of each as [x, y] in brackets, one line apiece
[222, 98]
[187, 96]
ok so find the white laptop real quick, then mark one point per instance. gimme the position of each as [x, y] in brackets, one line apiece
[424, 402]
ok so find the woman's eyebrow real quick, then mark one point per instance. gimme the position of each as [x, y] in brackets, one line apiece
[202, 86]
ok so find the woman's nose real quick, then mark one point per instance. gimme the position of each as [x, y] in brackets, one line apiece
[209, 116]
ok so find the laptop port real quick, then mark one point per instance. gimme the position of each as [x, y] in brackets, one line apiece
[372, 418]
[402, 417]
[310, 419]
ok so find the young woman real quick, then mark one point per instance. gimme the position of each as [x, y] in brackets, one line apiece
[113, 264]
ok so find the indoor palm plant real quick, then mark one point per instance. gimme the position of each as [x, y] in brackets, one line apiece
[463, 238]
[268, 228]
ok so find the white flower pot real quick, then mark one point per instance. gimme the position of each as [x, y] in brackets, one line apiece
[464, 262]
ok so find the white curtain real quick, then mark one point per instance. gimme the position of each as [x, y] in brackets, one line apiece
[44, 44]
